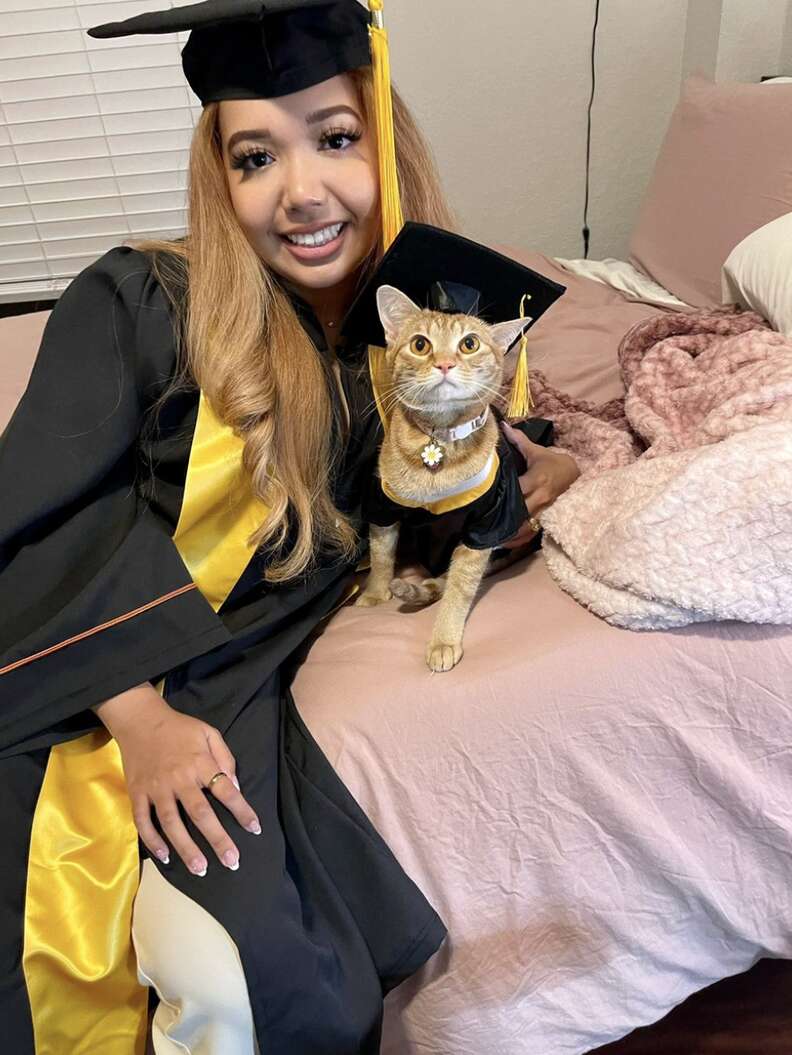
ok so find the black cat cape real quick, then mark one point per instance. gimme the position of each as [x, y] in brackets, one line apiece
[124, 559]
[485, 521]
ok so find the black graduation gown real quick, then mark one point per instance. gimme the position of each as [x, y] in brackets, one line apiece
[93, 587]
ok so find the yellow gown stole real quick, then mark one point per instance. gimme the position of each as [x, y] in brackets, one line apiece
[83, 865]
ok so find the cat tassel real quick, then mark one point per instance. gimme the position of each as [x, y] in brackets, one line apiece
[521, 401]
[392, 219]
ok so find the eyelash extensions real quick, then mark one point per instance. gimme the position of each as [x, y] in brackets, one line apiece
[239, 160]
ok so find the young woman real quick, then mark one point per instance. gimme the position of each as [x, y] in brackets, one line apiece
[183, 479]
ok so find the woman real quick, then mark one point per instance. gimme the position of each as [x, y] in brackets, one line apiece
[184, 475]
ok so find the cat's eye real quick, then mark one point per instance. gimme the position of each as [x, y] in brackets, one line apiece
[420, 345]
[469, 344]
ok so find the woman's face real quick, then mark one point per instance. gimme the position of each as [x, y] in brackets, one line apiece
[301, 170]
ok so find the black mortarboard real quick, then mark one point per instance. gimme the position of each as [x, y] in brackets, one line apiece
[443, 271]
[259, 49]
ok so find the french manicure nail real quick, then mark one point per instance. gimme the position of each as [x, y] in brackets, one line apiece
[163, 856]
[230, 860]
[198, 867]
[255, 828]
[235, 782]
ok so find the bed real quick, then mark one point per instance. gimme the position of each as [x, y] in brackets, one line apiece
[602, 817]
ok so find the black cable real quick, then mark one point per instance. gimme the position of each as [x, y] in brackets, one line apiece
[586, 231]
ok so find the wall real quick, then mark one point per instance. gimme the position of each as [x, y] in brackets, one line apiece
[751, 38]
[502, 87]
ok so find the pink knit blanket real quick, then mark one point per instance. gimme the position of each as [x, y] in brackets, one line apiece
[683, 511]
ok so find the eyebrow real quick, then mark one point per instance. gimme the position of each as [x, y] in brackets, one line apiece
[313, 118]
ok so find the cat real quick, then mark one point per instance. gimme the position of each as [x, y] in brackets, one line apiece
[446, 370]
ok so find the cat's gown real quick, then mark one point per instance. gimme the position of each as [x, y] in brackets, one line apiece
[94, 599]
[484, 523]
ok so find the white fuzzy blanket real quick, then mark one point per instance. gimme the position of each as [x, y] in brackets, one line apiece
[683, 511]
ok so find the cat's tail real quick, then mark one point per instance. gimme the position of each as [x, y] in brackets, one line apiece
[418, 592]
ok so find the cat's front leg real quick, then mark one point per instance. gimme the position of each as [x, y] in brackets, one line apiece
[462, 582]
[382, 550]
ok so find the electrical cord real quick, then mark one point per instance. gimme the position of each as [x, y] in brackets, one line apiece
[586, 230]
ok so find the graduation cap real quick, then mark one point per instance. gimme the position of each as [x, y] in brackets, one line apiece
[262, 49]
[446, 272]
[258, 49]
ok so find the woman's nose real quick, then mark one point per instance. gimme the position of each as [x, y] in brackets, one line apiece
[303, 189]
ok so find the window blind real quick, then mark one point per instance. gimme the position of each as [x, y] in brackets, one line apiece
[94, 139]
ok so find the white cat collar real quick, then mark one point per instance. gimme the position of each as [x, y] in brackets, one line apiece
[456, 432]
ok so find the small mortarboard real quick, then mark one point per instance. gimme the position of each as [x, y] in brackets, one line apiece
[446, 272]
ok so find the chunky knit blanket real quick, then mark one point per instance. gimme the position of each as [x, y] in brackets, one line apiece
[683, 510]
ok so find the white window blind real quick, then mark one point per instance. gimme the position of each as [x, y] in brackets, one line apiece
[94, 139]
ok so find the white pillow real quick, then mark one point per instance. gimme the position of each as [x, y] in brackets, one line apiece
[758, 273]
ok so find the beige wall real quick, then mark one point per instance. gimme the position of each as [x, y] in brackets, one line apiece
[501, 88]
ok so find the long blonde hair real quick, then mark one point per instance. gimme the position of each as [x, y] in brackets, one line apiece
[240, 340]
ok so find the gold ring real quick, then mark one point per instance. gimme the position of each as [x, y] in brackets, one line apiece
[216, 777]
[534, 525]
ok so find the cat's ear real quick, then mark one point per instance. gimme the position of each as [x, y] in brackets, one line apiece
[394, 308]
[506, 333]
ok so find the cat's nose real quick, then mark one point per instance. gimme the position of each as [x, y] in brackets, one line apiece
[445, 367]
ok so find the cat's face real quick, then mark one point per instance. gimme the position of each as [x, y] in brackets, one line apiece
[440, 361]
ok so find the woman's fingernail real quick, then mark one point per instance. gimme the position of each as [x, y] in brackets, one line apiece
[255, 828]
[163, 856]
[230, 860]
[235, 782]
[198, 866]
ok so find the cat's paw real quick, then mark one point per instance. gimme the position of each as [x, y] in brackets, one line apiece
[371, 598]
[441, 656]
[417, 592]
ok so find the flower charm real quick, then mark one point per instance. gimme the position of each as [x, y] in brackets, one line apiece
[432, 455]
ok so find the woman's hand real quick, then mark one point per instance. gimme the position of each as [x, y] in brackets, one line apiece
[169, 758]
[549, 474]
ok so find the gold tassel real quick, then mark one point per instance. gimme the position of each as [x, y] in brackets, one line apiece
[520, 401]
[392, 219]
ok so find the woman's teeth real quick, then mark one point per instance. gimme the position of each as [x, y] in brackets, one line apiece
[327, 234]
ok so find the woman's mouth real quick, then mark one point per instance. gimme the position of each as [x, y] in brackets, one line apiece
[316, 245]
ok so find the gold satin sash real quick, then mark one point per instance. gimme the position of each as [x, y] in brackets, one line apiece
[83, 866]
[219, 512]
[78, 960]
[380, 382]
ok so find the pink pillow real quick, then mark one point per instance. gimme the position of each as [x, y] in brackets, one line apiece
[724, 169]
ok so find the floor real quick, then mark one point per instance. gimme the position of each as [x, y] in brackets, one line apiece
[749, 1014]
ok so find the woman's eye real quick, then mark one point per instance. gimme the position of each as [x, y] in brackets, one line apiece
[420, 345]
[339, 139]
[249, 161]
[470, 343]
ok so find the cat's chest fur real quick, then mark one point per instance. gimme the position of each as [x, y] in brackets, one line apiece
[403, 470]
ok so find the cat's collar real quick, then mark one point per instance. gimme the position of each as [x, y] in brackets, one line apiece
[455, 432]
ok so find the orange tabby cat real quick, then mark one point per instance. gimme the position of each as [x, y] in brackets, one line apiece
[440, 442]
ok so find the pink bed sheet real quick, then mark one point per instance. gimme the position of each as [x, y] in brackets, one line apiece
[601, 817]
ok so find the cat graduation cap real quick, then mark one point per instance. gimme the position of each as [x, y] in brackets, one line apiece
[446, 272]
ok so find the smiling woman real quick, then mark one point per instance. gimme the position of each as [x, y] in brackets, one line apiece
[304, 186]
[187, 471]
[211, 440]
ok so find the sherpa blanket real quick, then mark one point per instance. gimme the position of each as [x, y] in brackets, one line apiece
[683, 510]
